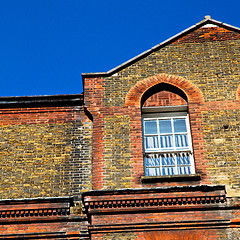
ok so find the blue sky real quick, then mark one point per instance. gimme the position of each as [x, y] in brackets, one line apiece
[45, 45]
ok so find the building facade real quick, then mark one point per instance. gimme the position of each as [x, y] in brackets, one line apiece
[148, 151]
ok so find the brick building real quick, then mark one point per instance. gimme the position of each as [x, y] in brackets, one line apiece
[150, 150]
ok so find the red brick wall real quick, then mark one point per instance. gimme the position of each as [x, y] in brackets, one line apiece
[202, 234]
[27, 230]
[192, 234]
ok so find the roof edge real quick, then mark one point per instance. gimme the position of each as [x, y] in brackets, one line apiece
[42, 101]
[207, 20]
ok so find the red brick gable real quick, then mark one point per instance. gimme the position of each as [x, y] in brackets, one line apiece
[208, 34]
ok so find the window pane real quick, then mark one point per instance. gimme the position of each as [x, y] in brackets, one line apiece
[183, 160]
[184, 170]
[181, 141]
[165, 126]
[151, 142]
[153, 172]
[179, 125]
[169, 171]
[152, 161]
[150, 127]
[168, 161]
[166, 142]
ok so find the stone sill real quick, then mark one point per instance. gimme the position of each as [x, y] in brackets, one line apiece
[171, 178]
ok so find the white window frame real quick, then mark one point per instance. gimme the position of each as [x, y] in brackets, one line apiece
[159, 113]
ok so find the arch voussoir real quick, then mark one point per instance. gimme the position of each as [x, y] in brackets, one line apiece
[193, 93]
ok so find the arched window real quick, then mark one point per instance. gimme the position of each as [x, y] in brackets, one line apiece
[167, 140]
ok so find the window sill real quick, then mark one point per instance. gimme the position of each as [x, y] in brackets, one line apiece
[171, 178]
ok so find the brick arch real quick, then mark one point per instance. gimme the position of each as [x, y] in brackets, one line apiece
[193, 93]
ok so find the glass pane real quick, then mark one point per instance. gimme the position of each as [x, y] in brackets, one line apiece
[184, 170]
[165, 126]
[179, 125]
[169, 171]
[183, 160]
[150, 127]
[152, 161]
[153, 172]
[166, 142]
[151, 142]
[181, 141]
[168, 161]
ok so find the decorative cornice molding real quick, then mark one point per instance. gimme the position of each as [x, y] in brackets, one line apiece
[34, 212]
[38, 207]
[172, 198]
[153, 203]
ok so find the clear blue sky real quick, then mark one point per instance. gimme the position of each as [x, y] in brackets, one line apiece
[45, 45]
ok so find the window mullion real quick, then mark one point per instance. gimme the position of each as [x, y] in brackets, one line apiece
[173, 135]
[192, 164]
[159, 141]
[161, 170]
[188, 133]
[174, 146]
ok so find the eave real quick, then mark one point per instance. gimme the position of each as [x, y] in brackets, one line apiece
[42, 101]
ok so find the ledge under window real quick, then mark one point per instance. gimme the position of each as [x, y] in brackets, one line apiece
[171, 178]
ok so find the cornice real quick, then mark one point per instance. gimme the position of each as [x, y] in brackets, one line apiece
[153, 204]
[34, 208]
[160, 199]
